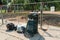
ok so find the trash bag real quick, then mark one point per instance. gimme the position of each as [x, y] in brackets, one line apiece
[11, 26]
[33, 16]
[20, 29]
[32, 25]
[23, 29]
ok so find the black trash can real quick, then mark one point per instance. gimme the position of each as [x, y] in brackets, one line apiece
[32, 25]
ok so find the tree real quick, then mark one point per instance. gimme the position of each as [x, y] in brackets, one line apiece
[34, 6]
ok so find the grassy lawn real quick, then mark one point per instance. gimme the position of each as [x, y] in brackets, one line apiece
[2, 11]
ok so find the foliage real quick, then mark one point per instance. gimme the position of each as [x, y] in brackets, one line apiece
[36, 6]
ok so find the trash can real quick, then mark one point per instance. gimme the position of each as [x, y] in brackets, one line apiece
[32, 25]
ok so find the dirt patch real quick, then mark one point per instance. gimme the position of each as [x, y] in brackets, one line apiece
[20, 19]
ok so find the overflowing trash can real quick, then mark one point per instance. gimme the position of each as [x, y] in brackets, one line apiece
[32, 25]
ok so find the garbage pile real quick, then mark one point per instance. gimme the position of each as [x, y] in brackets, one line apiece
[31, 28]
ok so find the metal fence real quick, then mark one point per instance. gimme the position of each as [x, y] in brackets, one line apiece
[16, 12]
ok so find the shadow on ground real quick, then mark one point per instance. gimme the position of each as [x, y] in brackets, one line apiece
[37, 37]
[48, 34]
[9, 30]
[51, 19]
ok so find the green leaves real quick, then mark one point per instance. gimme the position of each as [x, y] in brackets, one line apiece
[35, 6]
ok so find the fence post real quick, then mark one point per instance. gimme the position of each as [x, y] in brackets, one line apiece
[17, 7]
[2, 20]
[41, 15]
[14, 8]
[2, 16]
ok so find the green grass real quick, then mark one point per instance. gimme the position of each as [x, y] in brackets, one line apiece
[2, 11]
